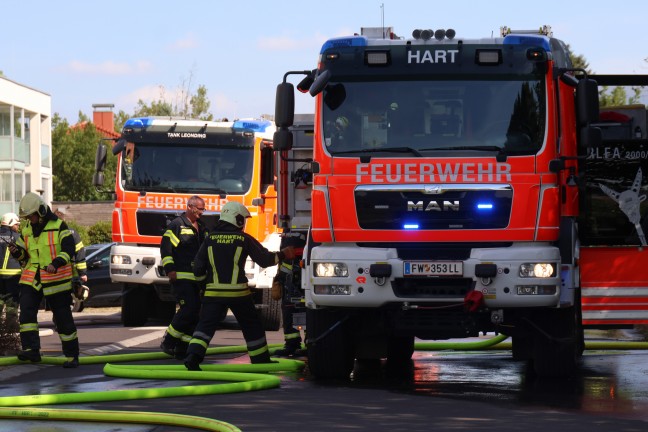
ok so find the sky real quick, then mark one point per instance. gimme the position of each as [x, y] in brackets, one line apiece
[95, 52]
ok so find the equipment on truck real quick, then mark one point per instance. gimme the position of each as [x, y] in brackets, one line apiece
[161, 163]
[462, 186]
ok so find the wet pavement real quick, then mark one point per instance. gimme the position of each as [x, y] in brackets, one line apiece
[442, 390]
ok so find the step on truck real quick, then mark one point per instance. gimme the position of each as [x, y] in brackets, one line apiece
[161, 162]
[466, 186]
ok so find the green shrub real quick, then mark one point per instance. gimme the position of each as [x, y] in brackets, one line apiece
[101, 232]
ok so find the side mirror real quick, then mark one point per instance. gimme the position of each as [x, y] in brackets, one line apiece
[100, 165]
[321, 80]
[282, 139]
[587, 102]
[590, 137]
[285, 105]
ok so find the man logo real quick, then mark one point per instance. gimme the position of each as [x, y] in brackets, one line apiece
[433, 206]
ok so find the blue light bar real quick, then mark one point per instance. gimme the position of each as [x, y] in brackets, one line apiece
[410, 226]
[138, 122]
[485, 206]
[353, 41]
[533, 40]
[252, 125]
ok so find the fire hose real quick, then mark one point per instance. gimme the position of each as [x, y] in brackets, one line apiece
[237, 377]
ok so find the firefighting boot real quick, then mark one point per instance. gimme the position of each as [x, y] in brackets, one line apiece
[32, 355]
[71, 362]
[292, 344]
[192, 362]
[181, 350]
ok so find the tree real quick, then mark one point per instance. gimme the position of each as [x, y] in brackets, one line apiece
[73, 161]
[200, 104]
[607, 97]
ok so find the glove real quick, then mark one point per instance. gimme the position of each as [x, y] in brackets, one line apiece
[80, 291]
[288, 252]
[277, 290]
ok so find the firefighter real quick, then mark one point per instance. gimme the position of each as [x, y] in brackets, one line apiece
[80, 267]
[222, 259]
[10, 267]
[178, 247]
[47, 247]
[286, 287]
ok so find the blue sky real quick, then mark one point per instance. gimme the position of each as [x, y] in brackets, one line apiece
[86, 52]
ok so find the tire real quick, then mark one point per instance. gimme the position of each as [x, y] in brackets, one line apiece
[522, 347]
[134, 310]
[400, 349]
[558, 358]
[331, 357]
[270, 311]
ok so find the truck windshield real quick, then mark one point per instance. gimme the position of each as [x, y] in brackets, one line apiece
[435, 116]
[186, 169]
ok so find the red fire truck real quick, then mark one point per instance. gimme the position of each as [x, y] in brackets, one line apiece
[462, 186]
[161, 163]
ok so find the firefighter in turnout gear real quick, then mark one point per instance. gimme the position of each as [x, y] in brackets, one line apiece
[178, 247]
[286, 287]
[47, 247]
[10, 267]
[222, 259]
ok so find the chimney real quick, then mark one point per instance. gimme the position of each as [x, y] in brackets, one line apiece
[103, 117]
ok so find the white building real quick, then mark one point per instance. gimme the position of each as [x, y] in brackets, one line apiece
[25, 144]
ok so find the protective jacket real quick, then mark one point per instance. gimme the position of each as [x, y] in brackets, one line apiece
[48, 242]
[222, 258]
[79, 267]
[9, 266]
[179, 245]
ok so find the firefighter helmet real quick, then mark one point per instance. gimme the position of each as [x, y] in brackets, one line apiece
[32, 203]
[10, 219]
[234, 213]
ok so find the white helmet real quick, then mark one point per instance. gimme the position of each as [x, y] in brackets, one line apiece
[234, 213]
[10, 219]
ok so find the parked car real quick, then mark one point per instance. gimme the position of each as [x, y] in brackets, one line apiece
[102, 291]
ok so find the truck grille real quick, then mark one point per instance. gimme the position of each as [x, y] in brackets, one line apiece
[154, 223]
[432, 288]
[433, 206]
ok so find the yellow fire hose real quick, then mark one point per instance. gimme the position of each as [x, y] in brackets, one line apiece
[237, 377]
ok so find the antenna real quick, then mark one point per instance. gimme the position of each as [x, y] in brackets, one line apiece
[382, 19]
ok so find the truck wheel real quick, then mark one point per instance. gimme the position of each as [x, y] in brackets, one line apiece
[521, 347]
[558, 357]
[332, 356]
[270, 310]
[134, 310]
[400, 349]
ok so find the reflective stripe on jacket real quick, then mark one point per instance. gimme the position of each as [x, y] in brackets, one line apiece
[42, 251]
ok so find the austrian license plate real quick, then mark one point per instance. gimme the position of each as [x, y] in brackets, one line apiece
[433, 268]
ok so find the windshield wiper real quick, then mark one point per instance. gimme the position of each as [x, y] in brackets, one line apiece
[366, 159]
[500, 157]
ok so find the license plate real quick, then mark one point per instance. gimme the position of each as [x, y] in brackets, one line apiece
[433, 268]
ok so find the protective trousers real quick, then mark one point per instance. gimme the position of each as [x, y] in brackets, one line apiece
[30, 300]
[10, 293]
[248, 319]
[292, 337]
[184, 322]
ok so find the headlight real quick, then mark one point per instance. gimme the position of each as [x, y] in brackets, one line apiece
[120, 259]
[538, 270]
[325, 269]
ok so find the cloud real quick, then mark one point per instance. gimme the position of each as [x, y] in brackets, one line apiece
[187, 43]
[107, 67]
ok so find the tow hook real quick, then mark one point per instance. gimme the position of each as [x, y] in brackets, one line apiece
[407, 306]
[497, 316]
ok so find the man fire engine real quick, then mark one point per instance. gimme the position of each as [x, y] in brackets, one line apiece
[162, 162]
[456, 190]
